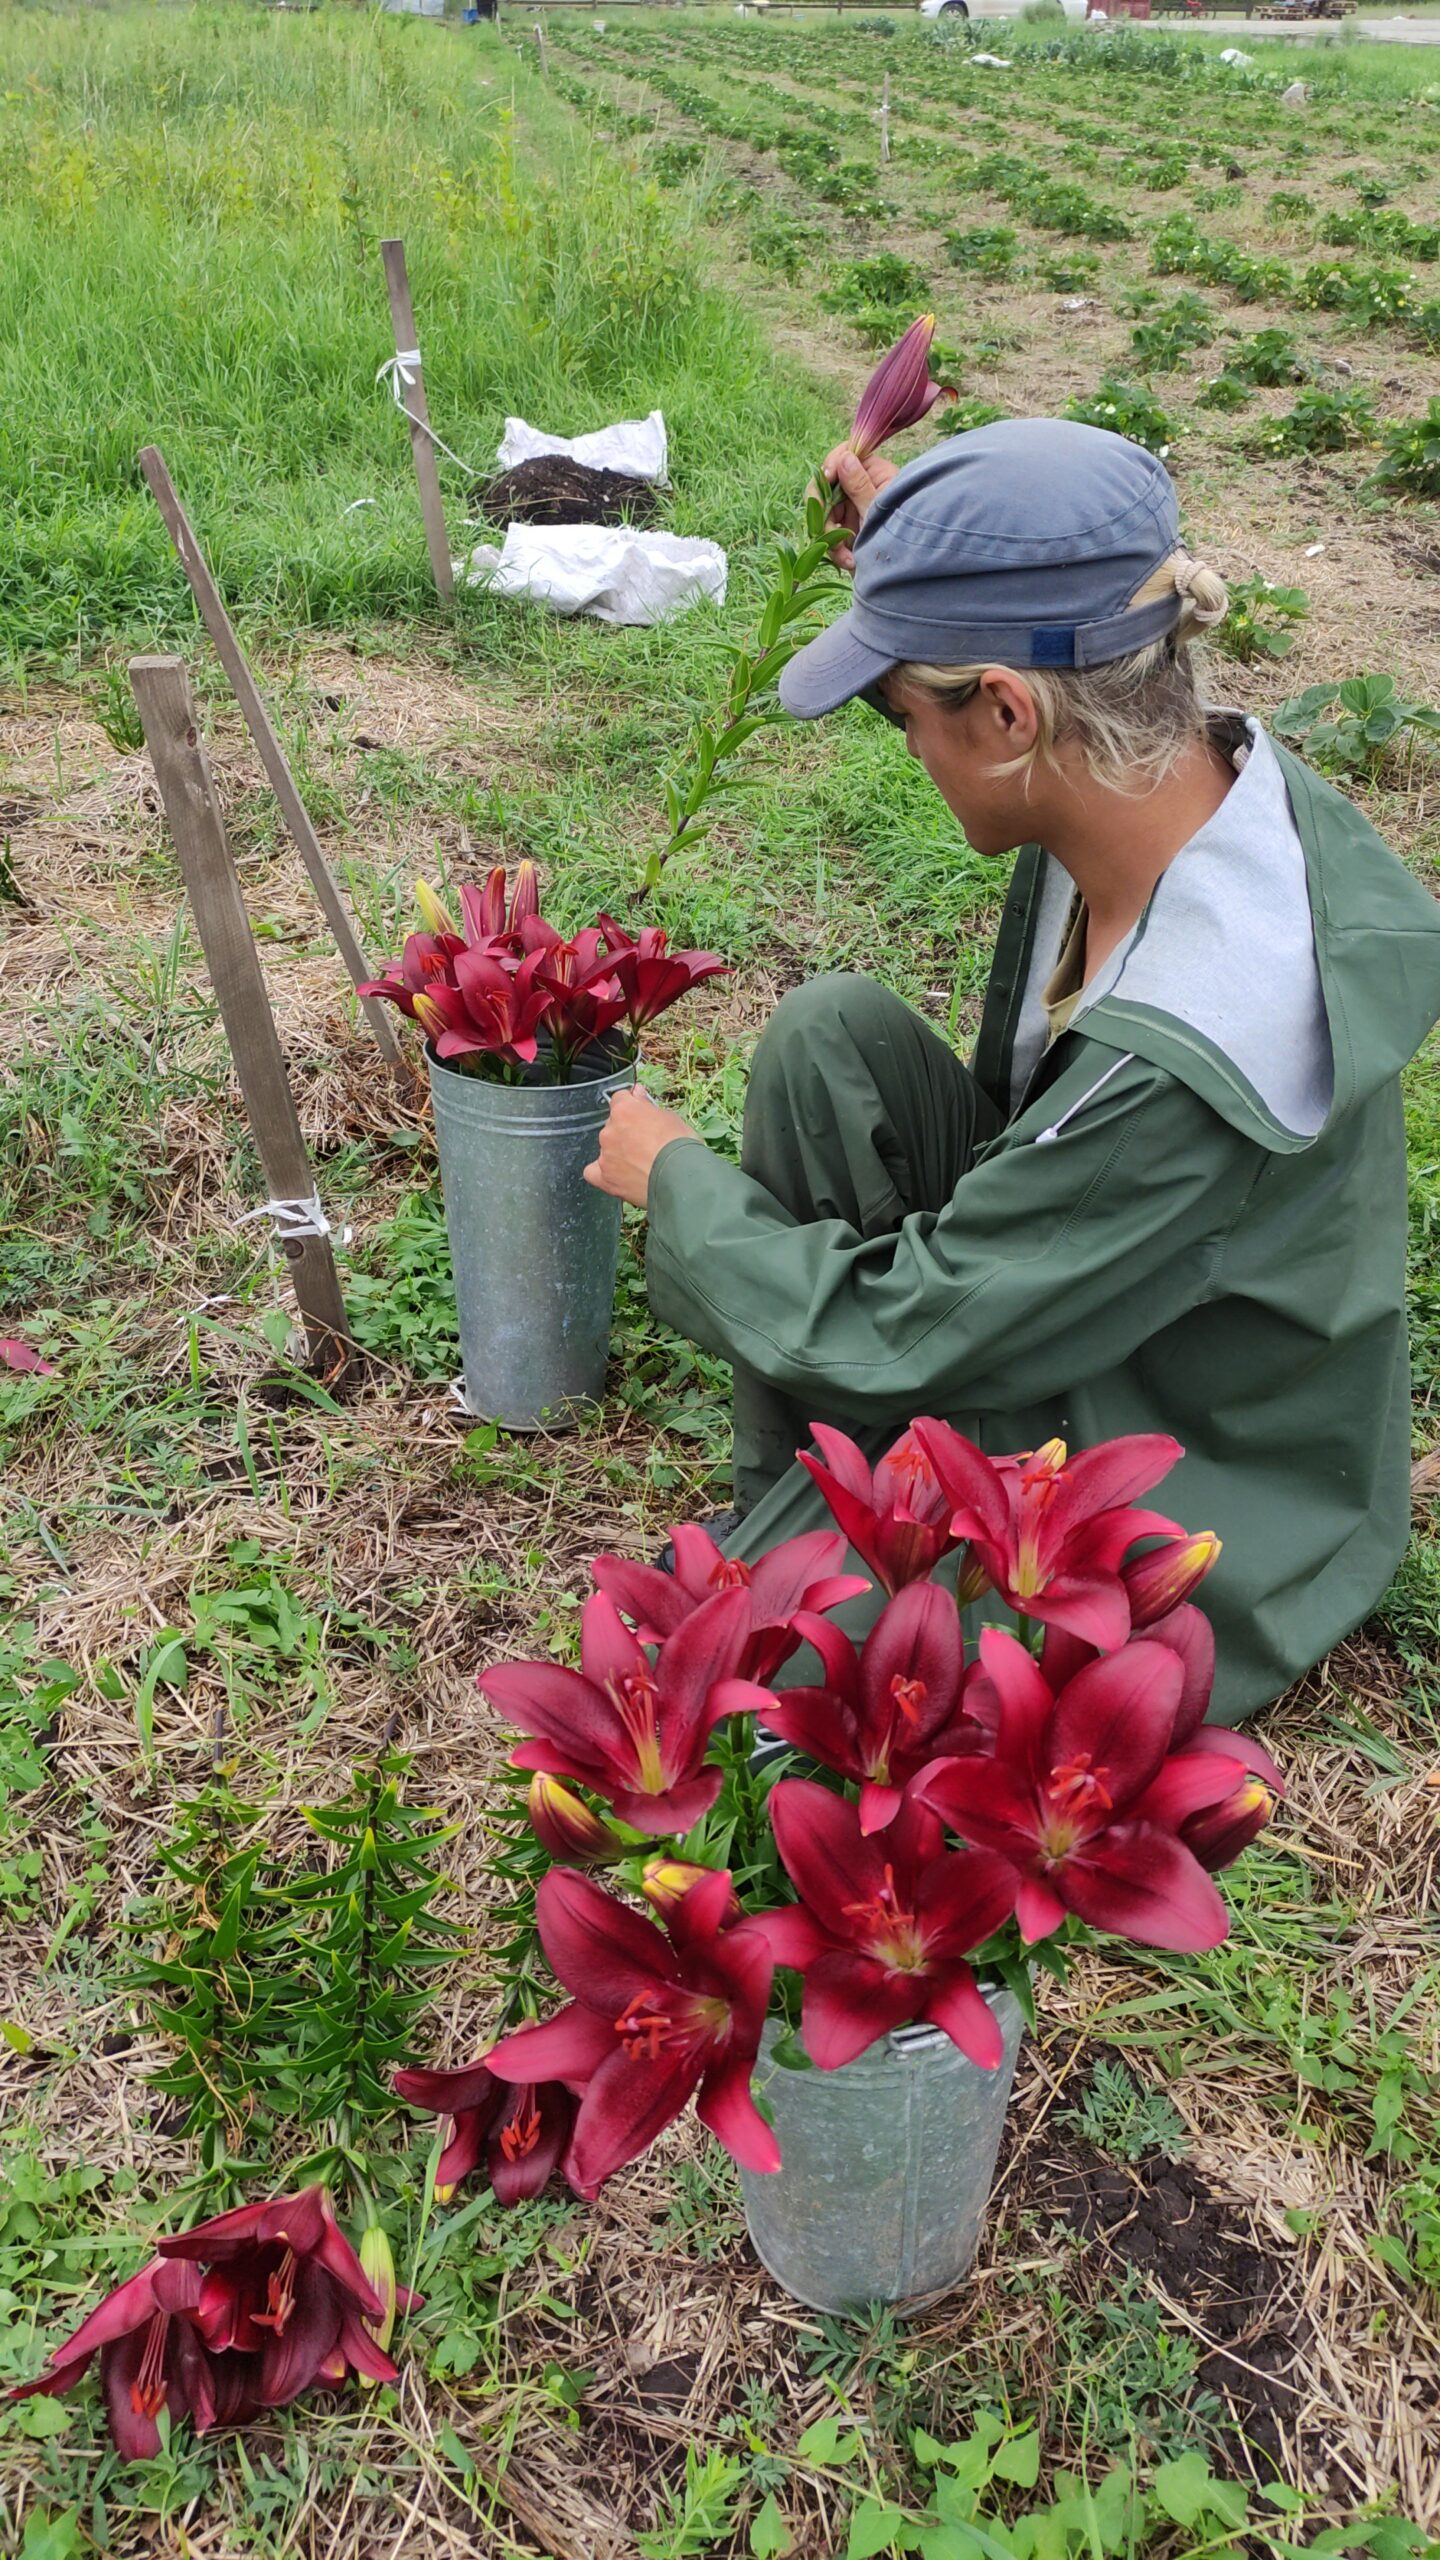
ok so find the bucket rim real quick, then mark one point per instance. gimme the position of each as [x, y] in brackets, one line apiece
[912, 2042]
[616, 1071]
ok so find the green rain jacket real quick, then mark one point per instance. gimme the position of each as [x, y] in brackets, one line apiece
[1193, 1221]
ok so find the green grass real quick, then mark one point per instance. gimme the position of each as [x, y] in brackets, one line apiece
[189, 224]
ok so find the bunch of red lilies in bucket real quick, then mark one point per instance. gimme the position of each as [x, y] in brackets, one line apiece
[931, 1818]
[510, 997]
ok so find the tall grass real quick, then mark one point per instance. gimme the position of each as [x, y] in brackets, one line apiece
[1337, 62]
[190, 208]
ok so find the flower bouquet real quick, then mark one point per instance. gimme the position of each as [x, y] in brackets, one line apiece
[528, 1035]
[800, 1876]
[823, 1907]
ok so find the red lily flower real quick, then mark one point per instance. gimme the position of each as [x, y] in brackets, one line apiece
[486, 912]
[581, 1013]
[1051, 1531]
[565, 1825]
[1188, 1634]
[520, 2129]
[897, 1517]
[501, 1007]
[1064, 1797]
[1217, 1788]
[634, 1732]
[883, 1926]
[152, 2358]
[282, 2283]
[584, 1000]
[885, 1713]
[651, 977]
[899, 392]
[425, 958]
[798, 1574]
[655, 2019]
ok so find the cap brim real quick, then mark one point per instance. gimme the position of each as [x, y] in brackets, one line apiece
[831, 669]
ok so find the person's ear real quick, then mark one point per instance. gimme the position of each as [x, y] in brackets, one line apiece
[1011, 704]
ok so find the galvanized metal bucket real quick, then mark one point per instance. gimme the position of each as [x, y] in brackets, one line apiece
[533, 1246]
[888, 2164]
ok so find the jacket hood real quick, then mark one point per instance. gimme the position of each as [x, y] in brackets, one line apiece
[1287, 964]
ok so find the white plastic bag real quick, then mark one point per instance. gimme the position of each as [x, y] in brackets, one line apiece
[636, 446]
[617, 572]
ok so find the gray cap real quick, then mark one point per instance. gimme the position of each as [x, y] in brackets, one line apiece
[1019, 543]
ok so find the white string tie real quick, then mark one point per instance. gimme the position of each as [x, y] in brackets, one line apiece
[290, 1218]
[402, 372]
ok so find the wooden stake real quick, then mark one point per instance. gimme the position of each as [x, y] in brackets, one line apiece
[413, 394]
[885, 118]
[192, 807]
[272, 755]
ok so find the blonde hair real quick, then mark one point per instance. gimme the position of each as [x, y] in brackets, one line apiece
[1132, 719]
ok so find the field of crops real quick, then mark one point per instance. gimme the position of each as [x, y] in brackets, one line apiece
[244, 1616]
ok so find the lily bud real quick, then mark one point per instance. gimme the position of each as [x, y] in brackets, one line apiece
[525, 896]
[565, 1825]
[429, 1016]
[666, 1881]
[1159, 1581]
[972, 1581]
[377, 2259]
[1217, 1836]
[436, 916]
[899, 392]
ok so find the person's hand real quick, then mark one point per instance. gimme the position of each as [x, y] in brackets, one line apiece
[858, 484]
[630, 1141]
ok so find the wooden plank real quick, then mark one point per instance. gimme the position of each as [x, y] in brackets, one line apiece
[272, 755]
[412, 392]
[192, 809]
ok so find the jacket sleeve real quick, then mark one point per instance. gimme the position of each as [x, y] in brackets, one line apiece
[1052, 1262]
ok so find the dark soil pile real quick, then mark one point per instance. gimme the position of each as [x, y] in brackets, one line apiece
[1202, 2253]
[551, 489]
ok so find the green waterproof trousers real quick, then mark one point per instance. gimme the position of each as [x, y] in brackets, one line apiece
[856, 1110]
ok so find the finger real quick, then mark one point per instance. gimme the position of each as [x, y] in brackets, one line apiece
[842, 557]
[594, 1174]
[854, 477]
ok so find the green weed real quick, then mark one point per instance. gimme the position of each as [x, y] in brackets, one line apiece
[1412, 454]
[987, 249]
[1127, 409]
[1320, 422]
[1161, 343]
[1353, 727]
[1263, 620]
[1124, 2118]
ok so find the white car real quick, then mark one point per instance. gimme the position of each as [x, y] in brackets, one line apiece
[991, 8]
